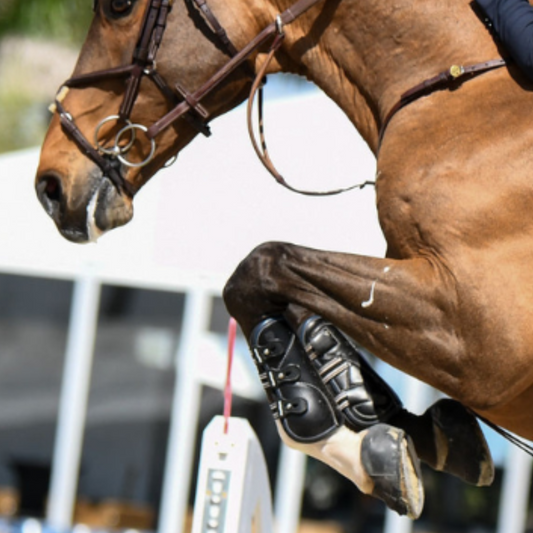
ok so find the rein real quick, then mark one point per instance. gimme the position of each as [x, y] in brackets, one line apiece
[186, 105]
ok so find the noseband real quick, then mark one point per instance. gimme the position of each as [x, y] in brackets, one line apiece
[186, 105]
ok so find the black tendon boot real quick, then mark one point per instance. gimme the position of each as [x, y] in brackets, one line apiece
[363, 396]
[308, 412]
[297, 398]
[447, 436]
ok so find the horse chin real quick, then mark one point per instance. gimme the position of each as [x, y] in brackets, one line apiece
[107, 209]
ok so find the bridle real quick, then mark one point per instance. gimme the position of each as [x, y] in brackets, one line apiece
[188, 106]
[183, 104]
[143, 64]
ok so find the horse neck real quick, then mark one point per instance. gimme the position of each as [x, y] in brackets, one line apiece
[370, 52]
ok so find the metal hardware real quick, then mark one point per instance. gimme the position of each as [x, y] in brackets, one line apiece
[116, 149]
[456, 71]
[122, 159]
[279, 25]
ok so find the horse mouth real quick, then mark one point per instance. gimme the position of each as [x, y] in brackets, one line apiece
[83, 218]
[108, 209]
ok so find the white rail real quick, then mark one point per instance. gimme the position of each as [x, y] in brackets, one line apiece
[73, 404]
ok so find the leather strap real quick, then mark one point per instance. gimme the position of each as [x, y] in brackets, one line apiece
[221, 34]
[83, 80]
[261, 147]
[145, 52]
[287, 17]
[442, 80]
[190, 108]
[109, 167]
[217, 27]
[143, 64]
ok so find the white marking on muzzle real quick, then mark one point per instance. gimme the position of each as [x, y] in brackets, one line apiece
[93, 231]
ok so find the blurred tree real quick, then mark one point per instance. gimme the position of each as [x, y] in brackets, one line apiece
[38, 43]
[63, 20]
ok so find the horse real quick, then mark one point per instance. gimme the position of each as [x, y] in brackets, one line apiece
[445, 113]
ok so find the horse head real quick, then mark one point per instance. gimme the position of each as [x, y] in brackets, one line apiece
[96, 154]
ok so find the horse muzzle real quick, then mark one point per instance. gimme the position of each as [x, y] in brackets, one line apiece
[82, 214]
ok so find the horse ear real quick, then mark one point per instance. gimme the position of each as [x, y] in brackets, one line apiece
[95, 5]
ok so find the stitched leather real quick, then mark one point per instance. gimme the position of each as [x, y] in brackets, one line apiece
[441, 81]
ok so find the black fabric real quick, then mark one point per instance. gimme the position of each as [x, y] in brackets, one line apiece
[512, 21]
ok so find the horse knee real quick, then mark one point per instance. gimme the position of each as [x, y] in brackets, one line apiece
[252, 274]
[253, 285]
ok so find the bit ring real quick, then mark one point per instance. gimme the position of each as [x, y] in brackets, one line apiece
[132, 128]
[116, 149]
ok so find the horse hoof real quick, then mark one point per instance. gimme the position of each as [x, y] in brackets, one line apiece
[389, 458]
[460, 444]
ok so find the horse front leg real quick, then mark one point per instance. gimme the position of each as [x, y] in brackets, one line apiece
[403, 311]
[340, 427]
[340, 420]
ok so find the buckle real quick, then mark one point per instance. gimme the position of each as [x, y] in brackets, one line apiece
[296, 406]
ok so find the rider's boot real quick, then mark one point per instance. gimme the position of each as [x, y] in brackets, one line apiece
[447, 436]
[378, 458]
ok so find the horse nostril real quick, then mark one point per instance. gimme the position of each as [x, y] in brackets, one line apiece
[52, 189]
[50, 193]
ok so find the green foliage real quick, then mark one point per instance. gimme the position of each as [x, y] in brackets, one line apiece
[63, 20]
[23, 102]
[23, 123]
